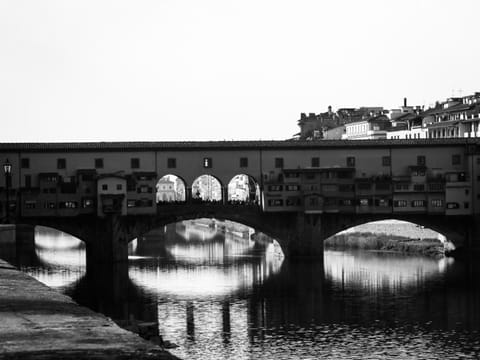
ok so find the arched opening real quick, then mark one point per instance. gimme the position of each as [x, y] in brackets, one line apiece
[170, 189]
[243, 189]
[207, 188]
[51, 256]
[393, 236]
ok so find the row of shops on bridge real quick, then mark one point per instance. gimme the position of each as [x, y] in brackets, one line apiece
[309, 190]
[340, 190]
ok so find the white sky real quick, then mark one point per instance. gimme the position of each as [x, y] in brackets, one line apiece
[220, 69]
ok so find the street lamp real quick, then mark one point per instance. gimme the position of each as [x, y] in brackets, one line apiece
[7, 169]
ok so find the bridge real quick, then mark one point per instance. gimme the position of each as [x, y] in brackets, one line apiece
[104, 193]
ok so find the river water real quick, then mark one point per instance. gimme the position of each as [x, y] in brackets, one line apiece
[218, 295]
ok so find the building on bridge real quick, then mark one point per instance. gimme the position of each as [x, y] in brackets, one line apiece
[307, 190]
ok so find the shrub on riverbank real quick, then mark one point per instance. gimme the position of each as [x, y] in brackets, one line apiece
[371, 241]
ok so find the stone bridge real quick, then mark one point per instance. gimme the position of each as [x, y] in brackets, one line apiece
[298, 234]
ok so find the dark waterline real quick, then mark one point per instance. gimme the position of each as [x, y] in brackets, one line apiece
[220, 296]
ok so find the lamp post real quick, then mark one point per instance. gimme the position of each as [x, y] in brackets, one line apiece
[7, 169]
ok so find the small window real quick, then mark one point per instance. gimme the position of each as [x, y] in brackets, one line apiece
[243, 162]
[28, 181]
[351, 161]
[386, 161]
[119, 186]
[315, 162]
[437, 203]
[456, 159]
[171, 163]
[131, 203]
[135, 163]
[61, 163]
[207, 162]
[279, 163]
[400, 203]
[105, 187]
[99, 163]
[418, 203]
[421, 160]
[25, 163]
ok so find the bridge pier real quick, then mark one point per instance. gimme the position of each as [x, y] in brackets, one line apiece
[108, 242]
[299, 235]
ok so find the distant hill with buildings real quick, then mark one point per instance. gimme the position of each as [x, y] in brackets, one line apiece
[455, 117]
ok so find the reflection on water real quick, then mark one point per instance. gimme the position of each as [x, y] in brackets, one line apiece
[217, 294]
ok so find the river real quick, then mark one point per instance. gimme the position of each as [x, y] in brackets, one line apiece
[219, 295]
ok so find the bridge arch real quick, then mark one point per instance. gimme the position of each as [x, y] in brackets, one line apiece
[208, 188]
[243, 188]
[171, 188]
[455, 231]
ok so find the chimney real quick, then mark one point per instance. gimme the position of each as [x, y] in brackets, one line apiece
[405, 102]
[329, 109]
[303, 116]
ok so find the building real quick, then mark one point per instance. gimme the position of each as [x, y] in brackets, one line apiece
[373, 127]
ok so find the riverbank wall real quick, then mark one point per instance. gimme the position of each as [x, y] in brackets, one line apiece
[39, 323]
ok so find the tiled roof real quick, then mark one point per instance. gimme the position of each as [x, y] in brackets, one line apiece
[223, 145]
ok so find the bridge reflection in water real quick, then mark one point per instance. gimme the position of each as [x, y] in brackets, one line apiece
[223, 296]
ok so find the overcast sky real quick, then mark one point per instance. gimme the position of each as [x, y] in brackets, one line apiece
[218, 69]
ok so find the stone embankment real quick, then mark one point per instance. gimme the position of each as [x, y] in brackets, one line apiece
[36, 322]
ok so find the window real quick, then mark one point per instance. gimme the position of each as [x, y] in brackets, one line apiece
[293, 202]
[49, 205]
[290, 175]
[310, 176]
[382, 202]
[99, 163]
[418, 187]
[135, 163]
[28, 181]
[275, 202]
[401, 186]
[61, 163]
[400, 203]
[144, 189]
[279, 163]
[315, 162]
[345, 202]
[87, 203]
[363, 202]
[456, 159]
[207, 162]
[421, 160]
[171, 163]
[243, 162]
[313, 201]
[68, 205]
[346, 188]
[105, 187]
[329, 188]
[351, 161]
[466, 205]
[418, 203]
[436, 203]
[292, 187]
[30, 204]
[275, 188]
[453, 205]
[364, 186]
[131, 203]
[119, 186]
[25, 163]
[386, 161]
